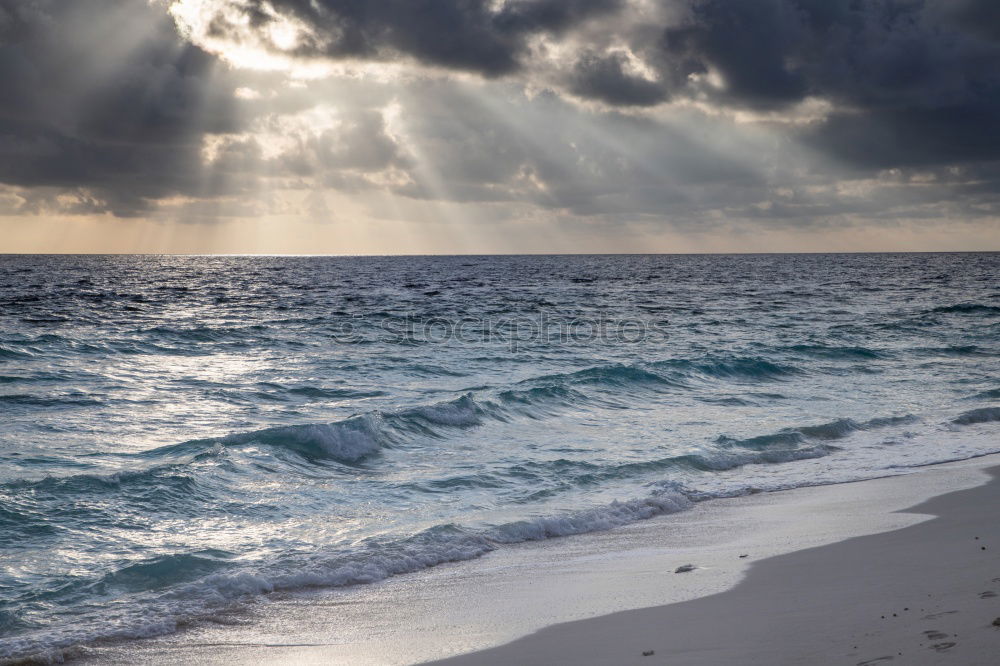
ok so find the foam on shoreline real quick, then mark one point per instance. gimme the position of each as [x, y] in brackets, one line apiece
[464, 606]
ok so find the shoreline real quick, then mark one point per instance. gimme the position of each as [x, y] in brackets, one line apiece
[520, 595]
[924, 594]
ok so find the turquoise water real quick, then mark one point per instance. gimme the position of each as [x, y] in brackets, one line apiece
[182, 434]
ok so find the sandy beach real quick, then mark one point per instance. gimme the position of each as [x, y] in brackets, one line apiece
[902, 568]
[926, 594]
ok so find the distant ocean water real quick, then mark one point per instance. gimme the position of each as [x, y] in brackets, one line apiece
[181, 434]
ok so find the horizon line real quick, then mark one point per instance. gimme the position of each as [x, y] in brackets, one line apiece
[481, 254]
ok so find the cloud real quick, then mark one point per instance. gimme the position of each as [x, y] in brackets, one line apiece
[683, 113]
[606, 78]
[924, 64]
[482, 36]
[911, 82]
[103, 95]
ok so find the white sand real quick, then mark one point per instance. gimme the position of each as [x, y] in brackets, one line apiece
[804, 594]
[926, 594]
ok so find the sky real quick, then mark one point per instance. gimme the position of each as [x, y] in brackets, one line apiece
[499, 126]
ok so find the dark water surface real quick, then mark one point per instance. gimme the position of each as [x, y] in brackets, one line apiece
[178, 434]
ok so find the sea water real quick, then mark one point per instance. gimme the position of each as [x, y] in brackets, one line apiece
[182, 434]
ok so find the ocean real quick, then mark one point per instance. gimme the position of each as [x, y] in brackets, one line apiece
[183, 434]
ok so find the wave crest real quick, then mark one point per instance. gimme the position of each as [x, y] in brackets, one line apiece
[347, 441]
[981, 415]
[967, 308]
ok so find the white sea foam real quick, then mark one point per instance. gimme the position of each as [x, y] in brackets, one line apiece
[598, 519]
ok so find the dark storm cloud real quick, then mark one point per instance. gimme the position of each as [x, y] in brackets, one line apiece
[915, 137]
[470, 35]
[913, 82]
[772, 53]
[977, 16]
[604, 78]
[82, 107]
[747, 42]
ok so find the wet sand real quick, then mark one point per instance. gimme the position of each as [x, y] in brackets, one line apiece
[924, 594]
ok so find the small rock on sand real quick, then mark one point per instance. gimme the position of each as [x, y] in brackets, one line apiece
[996, 622]
[685, 568]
